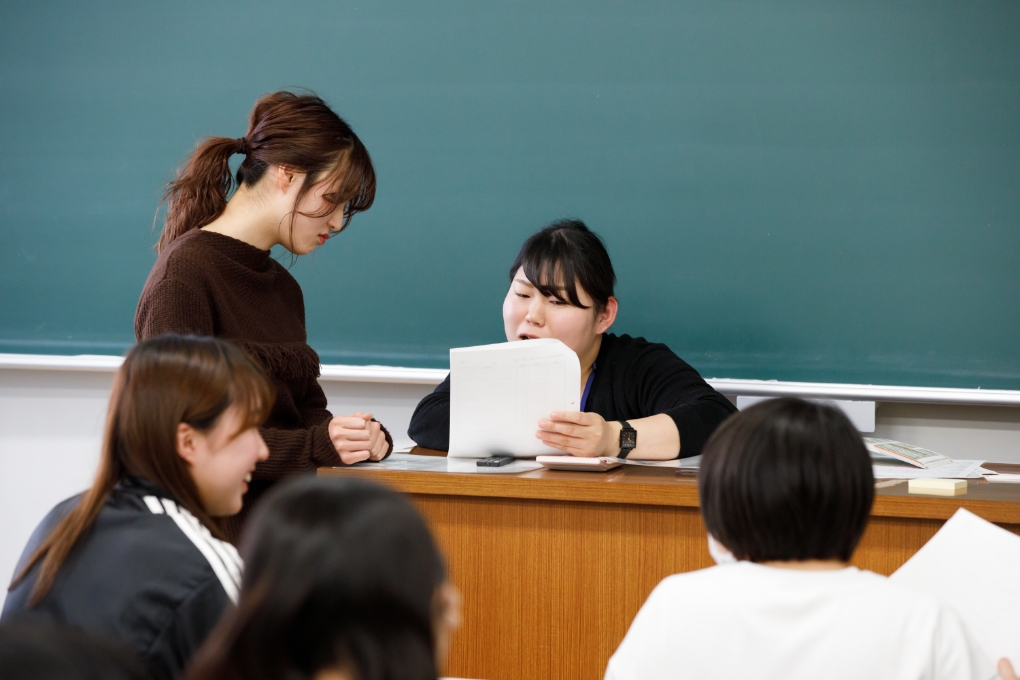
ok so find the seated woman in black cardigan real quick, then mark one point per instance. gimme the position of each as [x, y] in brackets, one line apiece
[561, 286]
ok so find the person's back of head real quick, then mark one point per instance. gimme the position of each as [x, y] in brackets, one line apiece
[340, 575]
[786, 480]
[42, 651]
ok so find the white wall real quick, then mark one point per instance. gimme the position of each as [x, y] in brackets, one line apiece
[990, 433]
[51, 424]
[50, 427]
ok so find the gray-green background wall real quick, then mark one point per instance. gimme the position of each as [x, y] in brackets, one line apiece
[820, 191]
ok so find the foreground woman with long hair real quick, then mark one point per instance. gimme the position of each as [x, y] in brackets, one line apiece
[139, 556]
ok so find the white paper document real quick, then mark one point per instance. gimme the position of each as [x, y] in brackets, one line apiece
[971, 565]
[1003, 478]
[408, 462]
[958, 469]
[498, 393]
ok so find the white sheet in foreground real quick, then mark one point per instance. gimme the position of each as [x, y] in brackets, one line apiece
[971, 565]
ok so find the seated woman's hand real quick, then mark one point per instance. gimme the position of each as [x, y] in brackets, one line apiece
[357, 437]
[579, 434]
[1006, 670]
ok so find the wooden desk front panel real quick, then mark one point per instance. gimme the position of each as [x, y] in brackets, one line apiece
[550, 587]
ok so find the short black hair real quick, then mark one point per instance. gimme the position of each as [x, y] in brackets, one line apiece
[564, 254]
[787, 480]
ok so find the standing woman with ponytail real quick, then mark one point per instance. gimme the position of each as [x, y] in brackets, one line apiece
[304, 175]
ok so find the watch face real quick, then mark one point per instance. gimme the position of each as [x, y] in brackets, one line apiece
[628, 438]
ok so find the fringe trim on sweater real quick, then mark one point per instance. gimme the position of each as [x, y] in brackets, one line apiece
[283, 360]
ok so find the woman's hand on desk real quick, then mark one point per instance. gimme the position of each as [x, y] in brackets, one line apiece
[589, 435]
[580, 434]
[357, 437]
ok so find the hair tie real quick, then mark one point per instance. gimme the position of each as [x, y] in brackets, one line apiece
[242, 146]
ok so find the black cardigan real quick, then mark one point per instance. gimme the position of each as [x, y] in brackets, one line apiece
[633, 379]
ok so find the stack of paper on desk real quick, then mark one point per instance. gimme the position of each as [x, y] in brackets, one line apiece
[905, 453]
[407, 462]
[896, 460]
[498, 393]
[957, 469]
[971, 565]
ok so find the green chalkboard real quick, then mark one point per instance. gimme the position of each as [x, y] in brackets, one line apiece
[792, 190]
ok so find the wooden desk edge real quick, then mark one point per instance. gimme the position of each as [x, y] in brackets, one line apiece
[497, 486]
[602, 490]
[926, 507]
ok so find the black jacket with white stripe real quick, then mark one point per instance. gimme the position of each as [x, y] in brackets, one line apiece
[148, 573]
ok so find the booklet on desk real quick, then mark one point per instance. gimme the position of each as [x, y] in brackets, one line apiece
[906, 453]
[498, 393]
[971, 565]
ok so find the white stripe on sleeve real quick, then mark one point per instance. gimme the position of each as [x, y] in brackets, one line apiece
[203, 544]
[226, 552]
[153, 504]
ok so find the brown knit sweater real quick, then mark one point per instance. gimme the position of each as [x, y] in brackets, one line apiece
[206, 283]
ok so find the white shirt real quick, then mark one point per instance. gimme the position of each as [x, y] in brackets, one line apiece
[746, 620]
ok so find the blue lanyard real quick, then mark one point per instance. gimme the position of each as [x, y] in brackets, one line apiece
[587, 386]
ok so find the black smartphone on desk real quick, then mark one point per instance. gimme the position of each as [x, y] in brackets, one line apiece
[495, 461]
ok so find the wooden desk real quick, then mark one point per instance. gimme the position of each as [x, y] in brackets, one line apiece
[553, 566]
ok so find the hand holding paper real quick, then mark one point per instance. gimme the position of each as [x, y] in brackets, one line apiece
[580, 434]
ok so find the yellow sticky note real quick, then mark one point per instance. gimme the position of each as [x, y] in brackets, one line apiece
[938, 487]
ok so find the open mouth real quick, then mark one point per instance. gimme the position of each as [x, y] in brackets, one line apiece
[525, 336]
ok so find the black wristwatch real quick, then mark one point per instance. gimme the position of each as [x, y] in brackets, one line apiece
[628, 439]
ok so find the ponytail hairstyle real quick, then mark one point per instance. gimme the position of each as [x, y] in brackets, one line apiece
[163, 382]
[298, 131]
[338, 574]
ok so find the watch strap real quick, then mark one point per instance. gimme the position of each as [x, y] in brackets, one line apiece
[628, 439]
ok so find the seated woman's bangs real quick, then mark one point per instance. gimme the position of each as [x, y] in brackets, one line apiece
[553, 276]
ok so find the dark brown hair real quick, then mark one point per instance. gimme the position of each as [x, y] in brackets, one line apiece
[298, 131]
[338, 573]
[563, 255]
[786, 480]
[163, 382]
